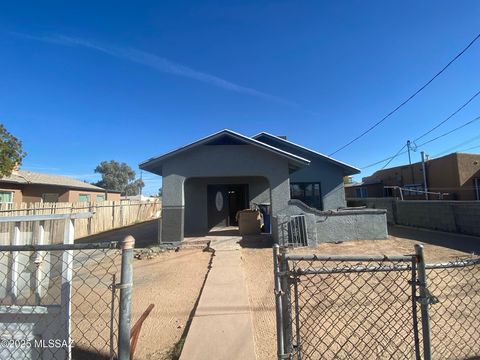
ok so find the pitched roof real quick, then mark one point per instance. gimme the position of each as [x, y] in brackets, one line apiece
[28, 177]
[350, 169]
[219, 138]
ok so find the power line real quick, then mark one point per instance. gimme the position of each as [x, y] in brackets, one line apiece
[449, 117]
[409, 98]
[450, 149]
[381, 161]
[449, 132]
[429, 131]
[473, 147]
[393, 157]
[400, 152]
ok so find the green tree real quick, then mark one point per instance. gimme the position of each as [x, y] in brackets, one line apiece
[134, 187]
[347, 180]
[11, 152]
[119, 177]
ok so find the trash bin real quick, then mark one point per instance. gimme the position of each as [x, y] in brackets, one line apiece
[266, 211]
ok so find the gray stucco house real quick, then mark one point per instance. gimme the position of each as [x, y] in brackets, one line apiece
[207, 181]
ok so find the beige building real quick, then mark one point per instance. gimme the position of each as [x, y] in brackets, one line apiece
[456, 174]
[29, 187]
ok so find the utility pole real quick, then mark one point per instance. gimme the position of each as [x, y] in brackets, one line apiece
[424, 170]
[410, 161]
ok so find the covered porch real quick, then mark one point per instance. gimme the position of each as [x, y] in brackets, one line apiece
[213, 202]
[205, 183]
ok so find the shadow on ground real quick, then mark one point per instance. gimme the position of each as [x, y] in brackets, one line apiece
[80, 353]
[145, 234]
[465, 243]
[223, 232]
[231, 234]
[256, 241]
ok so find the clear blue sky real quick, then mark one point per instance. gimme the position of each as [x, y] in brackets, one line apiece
[92, 81]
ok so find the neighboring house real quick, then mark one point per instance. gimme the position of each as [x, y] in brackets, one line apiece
[206, 182]
[364, 189]
[29, 187]
[456, 174]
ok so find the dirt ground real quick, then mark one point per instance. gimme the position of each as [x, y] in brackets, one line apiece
[258, 267]
[171, 281]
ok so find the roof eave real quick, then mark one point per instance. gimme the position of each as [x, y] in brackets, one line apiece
[73, 187]
[149, 165]
[351, 169]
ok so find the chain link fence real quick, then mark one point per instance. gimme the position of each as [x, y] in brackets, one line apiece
[60, 301]
[455, 310]
[374, 307]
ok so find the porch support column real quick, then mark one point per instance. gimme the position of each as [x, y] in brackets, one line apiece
[279, 180]
[173, 208]
[279, 197]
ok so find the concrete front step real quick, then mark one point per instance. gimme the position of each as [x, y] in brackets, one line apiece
[195, 244]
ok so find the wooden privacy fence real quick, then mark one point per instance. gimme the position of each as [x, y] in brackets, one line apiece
[108, 215]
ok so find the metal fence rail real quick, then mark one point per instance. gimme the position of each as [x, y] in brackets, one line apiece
[375, 307]
[61, 301]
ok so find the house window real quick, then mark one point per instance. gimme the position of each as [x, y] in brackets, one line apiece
[308, 193]
[6, 197]
[50, 197]
[100, 198]
[476, 185]
[83, 197]
[361, 192]
[388, 192]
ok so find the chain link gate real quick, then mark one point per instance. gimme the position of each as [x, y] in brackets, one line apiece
[62, 300]
[375, 307]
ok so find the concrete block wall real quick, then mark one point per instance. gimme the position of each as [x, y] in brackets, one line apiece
[461, 217]
[428, 215]
[467, 217]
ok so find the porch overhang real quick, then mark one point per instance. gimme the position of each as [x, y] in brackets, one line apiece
[224, 137]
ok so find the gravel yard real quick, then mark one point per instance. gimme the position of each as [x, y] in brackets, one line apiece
[258, 267]
[172, 281]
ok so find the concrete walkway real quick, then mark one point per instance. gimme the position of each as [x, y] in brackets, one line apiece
[222, 325]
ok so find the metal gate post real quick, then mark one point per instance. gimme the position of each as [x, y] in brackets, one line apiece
[416, 338]
[278, 302]
[424, 301]
[125, 298]
[286, 306]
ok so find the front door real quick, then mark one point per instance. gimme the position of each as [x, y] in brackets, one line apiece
[223, 202]
[217, 206]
